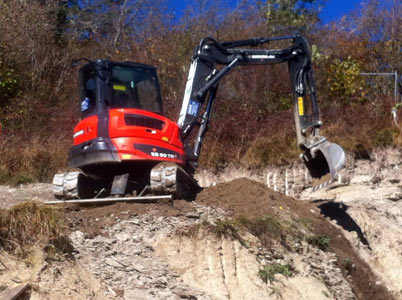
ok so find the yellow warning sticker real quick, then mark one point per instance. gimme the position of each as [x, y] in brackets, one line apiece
[301, 106]
[165, 139]
[126, 156]
[119, 87]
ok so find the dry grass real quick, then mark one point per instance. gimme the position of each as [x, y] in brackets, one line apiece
[361, 128]
[32, 160]
[271, 150]
[29, 224]
[358, 128]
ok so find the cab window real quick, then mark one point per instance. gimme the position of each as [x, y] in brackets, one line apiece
[87, 91]
[135, 87]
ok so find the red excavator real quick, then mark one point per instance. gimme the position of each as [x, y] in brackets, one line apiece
[124, 145]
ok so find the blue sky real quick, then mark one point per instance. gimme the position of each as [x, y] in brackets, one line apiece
[333, 10]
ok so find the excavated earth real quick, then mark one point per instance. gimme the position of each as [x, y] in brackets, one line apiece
[342, 242]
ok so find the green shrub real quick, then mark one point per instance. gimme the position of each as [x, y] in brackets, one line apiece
[320, 241]
[348, 265]
[268, 272]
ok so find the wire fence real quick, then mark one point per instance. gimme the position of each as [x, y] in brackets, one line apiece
[386, 84]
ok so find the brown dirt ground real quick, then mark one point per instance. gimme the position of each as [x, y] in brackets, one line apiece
[246, 198]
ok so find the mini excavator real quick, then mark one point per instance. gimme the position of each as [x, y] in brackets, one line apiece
[123, 145]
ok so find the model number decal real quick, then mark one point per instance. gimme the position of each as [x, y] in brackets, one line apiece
[163, 155]
[158, 152]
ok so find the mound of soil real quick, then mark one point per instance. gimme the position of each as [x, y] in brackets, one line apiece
[247, 198]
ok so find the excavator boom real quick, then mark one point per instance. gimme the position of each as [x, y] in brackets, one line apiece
[322, 158]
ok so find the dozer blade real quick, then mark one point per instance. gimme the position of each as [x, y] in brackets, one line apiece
[323, 160]
[111, 199]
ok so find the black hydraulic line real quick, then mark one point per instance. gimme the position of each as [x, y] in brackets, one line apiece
[311, 85]
[250, 42]
[204, 122]
[200, 93]
[255, 41]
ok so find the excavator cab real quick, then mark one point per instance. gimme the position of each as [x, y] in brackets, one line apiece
[122, 135]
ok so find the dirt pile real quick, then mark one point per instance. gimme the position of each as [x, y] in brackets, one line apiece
[159, 250]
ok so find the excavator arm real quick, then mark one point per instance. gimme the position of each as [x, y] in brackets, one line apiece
[322, 158]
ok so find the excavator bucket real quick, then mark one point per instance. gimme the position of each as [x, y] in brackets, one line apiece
[324, 160]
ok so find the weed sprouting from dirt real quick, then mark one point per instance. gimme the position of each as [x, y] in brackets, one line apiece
[228, 228]
[320, 241]
[268, 272]
[267, 223]
[28, 224]
[304, 222]
[270, 229]
[348, 265]
[256, 226]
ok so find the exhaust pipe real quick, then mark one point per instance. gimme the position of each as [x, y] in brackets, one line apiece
[323, 159]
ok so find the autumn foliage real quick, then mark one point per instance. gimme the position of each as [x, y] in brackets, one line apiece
[252, 122]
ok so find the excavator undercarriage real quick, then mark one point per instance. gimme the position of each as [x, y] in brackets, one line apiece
[166, 178]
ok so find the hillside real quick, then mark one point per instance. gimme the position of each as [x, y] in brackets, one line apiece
[237, 240]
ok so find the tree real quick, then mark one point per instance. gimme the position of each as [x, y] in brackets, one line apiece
[379, 23]
[115, 21]
[282, 15]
